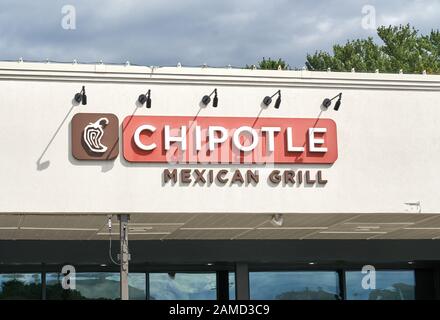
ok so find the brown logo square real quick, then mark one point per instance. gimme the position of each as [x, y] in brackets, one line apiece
[95, 136]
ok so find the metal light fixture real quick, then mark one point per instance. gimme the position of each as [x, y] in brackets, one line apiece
[268, 100]
[207, 99]
[277, 220]
[278, 101]
[327, 102]
[81, 96]
[145, 98]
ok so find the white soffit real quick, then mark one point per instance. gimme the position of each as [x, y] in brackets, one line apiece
[228, 226]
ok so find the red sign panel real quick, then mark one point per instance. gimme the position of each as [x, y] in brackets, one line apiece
[168, 139]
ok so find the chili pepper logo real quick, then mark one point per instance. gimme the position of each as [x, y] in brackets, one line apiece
[93, 133]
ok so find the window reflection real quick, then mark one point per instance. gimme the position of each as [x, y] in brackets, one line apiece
[95, 285]
[390, 285]
[183, 286]
[18, 286]
[289, 285]
[307, 285]
[231, 286]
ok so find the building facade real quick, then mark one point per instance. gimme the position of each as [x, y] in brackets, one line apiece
[228, 194]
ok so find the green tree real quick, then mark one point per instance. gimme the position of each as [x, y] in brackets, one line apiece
[269, 64]
[403, 49]
[16, 289]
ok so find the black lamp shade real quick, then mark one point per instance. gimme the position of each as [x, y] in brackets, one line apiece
[267, 100]
[206, 100]
[215, 101]
[326, 103]
[78, 97]
[142, 98]
[148, 102]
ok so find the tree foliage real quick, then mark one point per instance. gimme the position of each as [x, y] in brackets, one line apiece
[403, 49]
[17, 290]
[269, 64]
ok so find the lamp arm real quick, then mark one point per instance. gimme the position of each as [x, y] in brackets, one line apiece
[336, 96]
[278, 92]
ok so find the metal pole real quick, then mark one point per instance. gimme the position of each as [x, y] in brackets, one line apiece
[223, 285]
[43, 284]
[124, 256]
[241, 281]
[342, 284]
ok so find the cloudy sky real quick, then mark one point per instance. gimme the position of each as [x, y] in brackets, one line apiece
[193, 32]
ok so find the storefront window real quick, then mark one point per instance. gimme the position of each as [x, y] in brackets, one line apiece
[390, 285]
[183, 286]
[307, 285]
[17, 286]
[95, 285]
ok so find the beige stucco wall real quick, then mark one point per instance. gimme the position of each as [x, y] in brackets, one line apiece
[388, 139]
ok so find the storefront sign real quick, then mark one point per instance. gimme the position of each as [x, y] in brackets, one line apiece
[208, 140]
[95, 136]
[166, 139]
[224, 177]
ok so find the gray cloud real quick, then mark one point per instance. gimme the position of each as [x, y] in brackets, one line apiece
[164, 32]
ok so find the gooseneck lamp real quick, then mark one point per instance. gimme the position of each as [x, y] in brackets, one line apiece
[145, 98]
[207, 99]
[327, 102]
[81, 96]
[268, 100]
